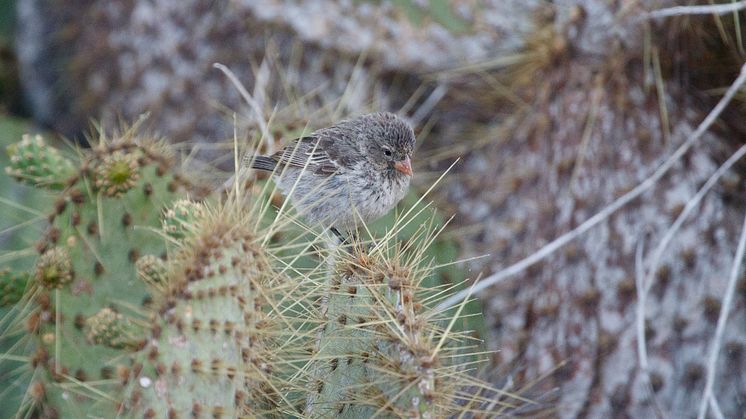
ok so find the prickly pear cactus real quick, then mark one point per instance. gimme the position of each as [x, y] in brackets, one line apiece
[381, 351]
[85, 287]
[144, 304]
[208, 348]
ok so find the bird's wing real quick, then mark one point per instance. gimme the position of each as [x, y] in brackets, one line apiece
[314, 153]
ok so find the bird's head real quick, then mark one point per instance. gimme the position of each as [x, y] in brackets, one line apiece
[390, 143]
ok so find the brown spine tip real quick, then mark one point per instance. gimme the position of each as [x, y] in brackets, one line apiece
[156, 331]
[40, 357]
[44, 301]
[60, 205]
[127, 219]
[137, 369]
[98, 268]
[77, 196]
[123, 374]
[196, 366]
[215, 365]
[196, 409]
[75, 219]
[79, 321]
[80, 375]
[239, 397]
[32, 322]
[175, 369]
[36, 390]
[53, 235]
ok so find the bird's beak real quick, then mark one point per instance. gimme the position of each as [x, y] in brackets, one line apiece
[404, 166]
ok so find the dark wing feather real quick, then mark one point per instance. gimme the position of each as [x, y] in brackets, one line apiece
[309, 150]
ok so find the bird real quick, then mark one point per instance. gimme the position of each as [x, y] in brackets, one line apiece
[354, 171]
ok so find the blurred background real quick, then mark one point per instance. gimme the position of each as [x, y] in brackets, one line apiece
[554, 110]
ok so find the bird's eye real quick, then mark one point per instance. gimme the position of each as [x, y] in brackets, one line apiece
[387, 152]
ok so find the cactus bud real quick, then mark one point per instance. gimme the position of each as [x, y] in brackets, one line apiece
[151, 270]
[54, 268]
[35, 163]
[111, 329]
[116, 174]
[12, 285]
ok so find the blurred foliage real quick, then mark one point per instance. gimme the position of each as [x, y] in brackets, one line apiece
[7, 19]
[439, 11]
[10, 92]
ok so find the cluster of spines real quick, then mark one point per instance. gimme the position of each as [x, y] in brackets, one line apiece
[380, 352]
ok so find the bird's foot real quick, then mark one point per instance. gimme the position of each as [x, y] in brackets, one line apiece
[345, 241]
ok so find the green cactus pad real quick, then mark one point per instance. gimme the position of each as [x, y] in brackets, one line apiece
[208, 352]
[108, 215]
